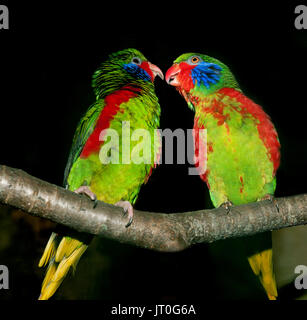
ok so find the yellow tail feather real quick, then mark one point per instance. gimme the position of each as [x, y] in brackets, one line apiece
[66, 248]
[50, 272]
[262, 265]
[49, 250]
[60, 258]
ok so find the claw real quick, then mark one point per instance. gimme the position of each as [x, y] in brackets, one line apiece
[226, 205]
[129, 222]
[86, 190]
[127, 206]
[95, 203]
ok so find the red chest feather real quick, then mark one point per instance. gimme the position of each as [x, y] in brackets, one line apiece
[111, 108]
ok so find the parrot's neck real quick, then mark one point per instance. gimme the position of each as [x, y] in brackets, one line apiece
[112, 86]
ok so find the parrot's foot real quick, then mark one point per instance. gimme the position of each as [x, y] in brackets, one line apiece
[272, 199]
[86, 190]
[127, 206]
[226, 205]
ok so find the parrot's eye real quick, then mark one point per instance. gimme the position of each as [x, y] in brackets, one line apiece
[136, 60]
[194, 60]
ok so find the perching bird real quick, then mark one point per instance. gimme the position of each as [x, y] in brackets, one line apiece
[125, 100]
[241, 155]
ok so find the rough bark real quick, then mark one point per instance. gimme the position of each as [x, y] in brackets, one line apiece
[157, 231]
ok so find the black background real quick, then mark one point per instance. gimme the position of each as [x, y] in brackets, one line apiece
[47, 58]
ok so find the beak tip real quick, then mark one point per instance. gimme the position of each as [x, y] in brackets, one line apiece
[156, 71]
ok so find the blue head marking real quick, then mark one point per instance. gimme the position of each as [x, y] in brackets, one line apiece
[206, 73]
[137, 71]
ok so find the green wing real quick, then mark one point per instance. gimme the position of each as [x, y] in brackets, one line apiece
[84, 130]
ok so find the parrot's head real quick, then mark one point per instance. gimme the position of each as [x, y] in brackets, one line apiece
[123, 68]
[198, 75]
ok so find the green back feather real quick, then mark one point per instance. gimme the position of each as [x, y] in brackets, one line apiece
[83, 131]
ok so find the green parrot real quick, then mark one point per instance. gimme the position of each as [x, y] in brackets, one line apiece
[125, 100]
[241, 147]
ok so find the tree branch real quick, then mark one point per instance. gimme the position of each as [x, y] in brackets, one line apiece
[157, 231]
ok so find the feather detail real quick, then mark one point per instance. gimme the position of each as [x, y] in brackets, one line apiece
[61, 258]
[49, 274]
[112, 106]
[66, 247]
[49, 250]
[262, 266]
[265, 127]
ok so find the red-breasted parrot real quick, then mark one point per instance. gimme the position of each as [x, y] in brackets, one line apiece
[125, 98]
[242, 147]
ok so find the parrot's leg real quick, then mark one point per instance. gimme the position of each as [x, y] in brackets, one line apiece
[127, 206]
[227, 204]
[272, 199]
[86, 190]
